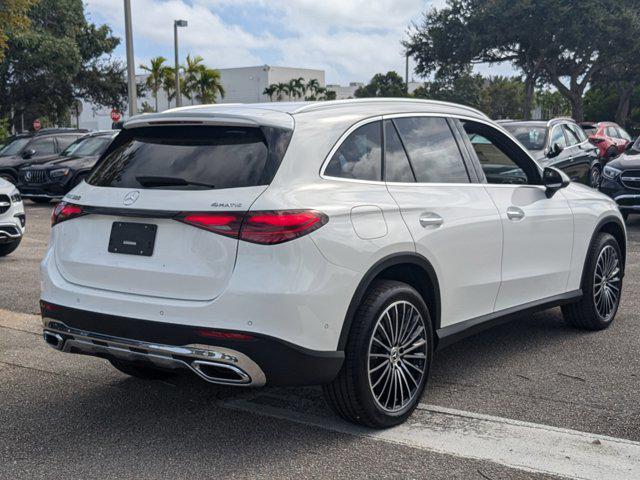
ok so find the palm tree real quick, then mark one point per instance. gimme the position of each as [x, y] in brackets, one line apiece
[280, 89]
[191, 74]
[209, 85]
[169, 83]
[313, 86]
[270, 91]
[155, 79]
[298, 87]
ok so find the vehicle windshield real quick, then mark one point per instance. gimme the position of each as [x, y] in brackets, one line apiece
[15, 147]
[86, 147]
[531, 136]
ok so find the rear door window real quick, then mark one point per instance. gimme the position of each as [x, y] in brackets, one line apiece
[571, 136]
[359, 157]
[190, 158]
[432, 150]
[43, 146]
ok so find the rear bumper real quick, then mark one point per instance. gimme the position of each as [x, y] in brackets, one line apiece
[256, 361]
[53, 190]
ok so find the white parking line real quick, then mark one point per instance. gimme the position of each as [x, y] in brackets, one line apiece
[520, 445]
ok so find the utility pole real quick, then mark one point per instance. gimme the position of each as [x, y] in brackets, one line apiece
[176, 24]
[406, 73]
[131, 67]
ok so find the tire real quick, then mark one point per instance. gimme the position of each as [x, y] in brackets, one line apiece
[41, 201]
[7, 248]
[365, 400]
[595, 177]
[140, 371]
[597, 308]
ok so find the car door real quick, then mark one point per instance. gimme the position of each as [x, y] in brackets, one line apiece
[454, 222]
[42, 146]
[578, 160]
[557, 137]
[537, 231]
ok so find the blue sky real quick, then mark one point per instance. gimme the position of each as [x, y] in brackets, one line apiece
[350, 40]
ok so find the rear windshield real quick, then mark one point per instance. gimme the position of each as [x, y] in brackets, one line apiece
[191, 158]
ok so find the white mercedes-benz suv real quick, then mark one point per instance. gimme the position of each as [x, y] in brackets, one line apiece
[334, 243]
[12, 218]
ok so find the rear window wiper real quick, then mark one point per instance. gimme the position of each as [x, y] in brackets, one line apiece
[152, 181]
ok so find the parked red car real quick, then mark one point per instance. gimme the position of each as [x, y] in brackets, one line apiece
[609, 137]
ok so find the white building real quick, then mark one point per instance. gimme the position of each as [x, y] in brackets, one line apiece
[242, 85]
[345, 92]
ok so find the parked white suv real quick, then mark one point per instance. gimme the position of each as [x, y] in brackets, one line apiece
[12, 218]
[335, 243]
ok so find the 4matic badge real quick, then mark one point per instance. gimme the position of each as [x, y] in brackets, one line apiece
[226, 205]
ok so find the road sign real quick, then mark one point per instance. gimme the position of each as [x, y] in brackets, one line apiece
[115, 115]
[36, 124]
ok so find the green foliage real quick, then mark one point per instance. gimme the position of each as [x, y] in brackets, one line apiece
[208, 85]
[296, 88]
[464, 88]
[388, 84]
[4, 130]
[502, 97]
[61, 57]
[553, 42]
[156, 70]
[13, 19]
[553, 104]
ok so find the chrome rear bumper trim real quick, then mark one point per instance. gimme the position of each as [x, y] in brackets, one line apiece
[202, 360]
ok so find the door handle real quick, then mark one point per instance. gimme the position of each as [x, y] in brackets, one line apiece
[430, 219]
[515, 213]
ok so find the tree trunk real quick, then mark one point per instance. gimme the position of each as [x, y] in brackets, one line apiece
[625, 92]
[529, 90]
[155, 96]
[577, 107]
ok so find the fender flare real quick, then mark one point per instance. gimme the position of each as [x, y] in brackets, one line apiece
[597, 230]
[366, 281]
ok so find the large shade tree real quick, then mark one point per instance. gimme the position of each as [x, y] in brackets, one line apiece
[389, 84]
[550, 41]
[59, 58]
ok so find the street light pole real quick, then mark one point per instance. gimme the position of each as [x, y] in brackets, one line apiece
[131, 67]
[176, 24]
[406, 73]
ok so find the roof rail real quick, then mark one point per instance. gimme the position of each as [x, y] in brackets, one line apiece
[329, 103]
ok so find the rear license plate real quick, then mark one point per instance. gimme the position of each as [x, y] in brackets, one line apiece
[132, 238]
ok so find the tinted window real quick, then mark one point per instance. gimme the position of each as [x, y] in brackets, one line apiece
[624, 135]
[532, 137]
[396, 163]
[501, 160]
[87, 146]
[43, 146]
[557, 137]
[15, 147]
[359, 156]
[578, 131]
[66, 140]
[571, 135]
[179, 158]
[432, 149]
[591, 130]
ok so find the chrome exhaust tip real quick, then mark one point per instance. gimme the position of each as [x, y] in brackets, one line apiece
[222, 373]
[54, 340]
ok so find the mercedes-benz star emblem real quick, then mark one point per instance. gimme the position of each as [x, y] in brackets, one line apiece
[131, 197]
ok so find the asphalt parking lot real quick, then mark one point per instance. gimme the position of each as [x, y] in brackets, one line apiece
[64, 416]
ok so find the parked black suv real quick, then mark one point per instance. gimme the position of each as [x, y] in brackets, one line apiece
[621, 180]
[559, 143]
[54, 178]
[35, 147]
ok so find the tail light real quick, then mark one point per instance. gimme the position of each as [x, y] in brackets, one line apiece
[65, 211]
[266, 227]
[225, 335]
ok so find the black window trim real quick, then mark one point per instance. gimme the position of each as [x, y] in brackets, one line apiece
[519, 149]
[481, 180]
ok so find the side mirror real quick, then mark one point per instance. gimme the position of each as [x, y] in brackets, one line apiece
[554, 180]
[630, 145]
[28, 153]
[554, 151]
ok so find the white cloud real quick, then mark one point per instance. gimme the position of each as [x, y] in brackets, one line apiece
[350, 39]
